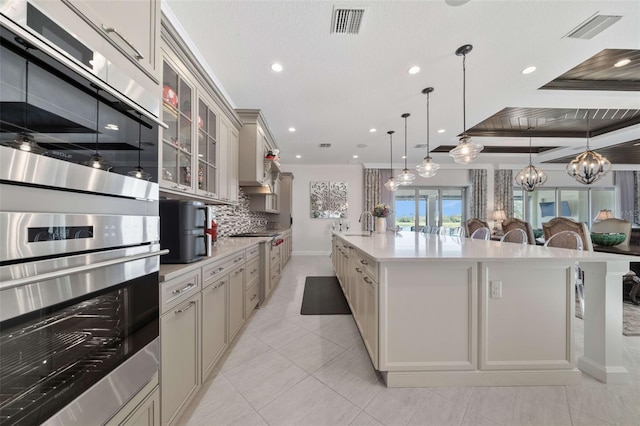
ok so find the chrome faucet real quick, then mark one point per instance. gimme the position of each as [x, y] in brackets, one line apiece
[366, 224]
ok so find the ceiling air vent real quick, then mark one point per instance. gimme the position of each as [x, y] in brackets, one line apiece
[325, 145]
[347, 20]
[421, 146]
[593, 26]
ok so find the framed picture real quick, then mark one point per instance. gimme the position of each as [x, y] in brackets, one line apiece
[328, 199]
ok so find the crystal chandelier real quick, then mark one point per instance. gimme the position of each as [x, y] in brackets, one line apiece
[427, 168]
[406, 177]
[530, 177]
[467, 150]
[589, 166]
[391, 184]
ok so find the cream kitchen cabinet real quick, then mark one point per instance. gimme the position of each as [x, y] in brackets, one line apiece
[199, 150]
[133, 28]
[236, 300]
[180, 355]
[115, 41]
[215, 330]
[255, 142]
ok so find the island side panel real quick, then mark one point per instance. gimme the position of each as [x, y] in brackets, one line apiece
[529, 326]
[428, 315]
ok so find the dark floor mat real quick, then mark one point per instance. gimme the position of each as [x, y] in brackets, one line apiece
[323, 296]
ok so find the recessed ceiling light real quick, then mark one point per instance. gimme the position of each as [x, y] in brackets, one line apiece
[404, 156]
[276, 67]
[298, 156]
[441, 131]
[361, 145]
[355, 156]
[622, 62]
[111, 126]
[528, 70]
[292, 129]
[373, 130]
[414, 70]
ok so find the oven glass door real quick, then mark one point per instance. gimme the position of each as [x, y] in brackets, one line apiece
[51, 356]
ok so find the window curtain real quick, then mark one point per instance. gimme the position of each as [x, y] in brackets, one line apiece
[478, 193]
[503, 191]
[628, 184]
[371, 192]
[386, 196]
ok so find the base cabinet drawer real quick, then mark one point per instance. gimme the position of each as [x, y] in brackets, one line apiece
[251, 298]
[252, 271]
[180, 354]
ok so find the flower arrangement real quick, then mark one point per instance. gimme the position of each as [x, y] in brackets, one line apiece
[381, 210]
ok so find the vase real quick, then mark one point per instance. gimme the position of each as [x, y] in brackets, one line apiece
[381, 225]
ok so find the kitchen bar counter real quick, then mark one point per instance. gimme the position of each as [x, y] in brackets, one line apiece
[460, 312]
[224, 247]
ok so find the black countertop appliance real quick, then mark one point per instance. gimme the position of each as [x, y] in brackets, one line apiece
[183, 226]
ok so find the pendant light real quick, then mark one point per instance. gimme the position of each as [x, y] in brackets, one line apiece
[589, 166]
[96, 161]
[530, 177]
[139, 172]
[391, 183]
[428, 168]
[406, 177]
[467, 150]
[24, 140]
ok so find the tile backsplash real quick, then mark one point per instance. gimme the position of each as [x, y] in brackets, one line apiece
[236, 219]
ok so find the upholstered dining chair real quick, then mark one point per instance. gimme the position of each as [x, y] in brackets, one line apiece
[616, 226]
[512, 223]
[472, 224]
[515, 235]
[570, 240]
[483, 233]
[558, 224]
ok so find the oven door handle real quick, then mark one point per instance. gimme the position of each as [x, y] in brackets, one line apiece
[76, 270]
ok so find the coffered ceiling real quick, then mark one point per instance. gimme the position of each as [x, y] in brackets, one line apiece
[334, 88]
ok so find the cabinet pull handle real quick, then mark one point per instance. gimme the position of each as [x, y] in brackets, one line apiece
[179, 311]
[237, 260]
[220, 285]
[187, 288]
[367, 280]
[253, 272]
[358, 269]
[113, 30]
[217, 270]
[239, 270]
[253, 297]
[364, 262]
[346, 256]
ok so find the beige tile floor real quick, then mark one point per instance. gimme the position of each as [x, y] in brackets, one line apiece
[286, 369]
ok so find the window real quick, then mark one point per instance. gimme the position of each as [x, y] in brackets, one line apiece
[579, 204]
[417, 207]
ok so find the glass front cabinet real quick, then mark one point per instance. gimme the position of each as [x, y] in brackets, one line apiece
[197, 156]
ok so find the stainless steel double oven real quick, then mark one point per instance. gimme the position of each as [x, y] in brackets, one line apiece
[79, 246]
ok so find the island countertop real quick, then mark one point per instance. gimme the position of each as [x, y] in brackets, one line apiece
[407, 246]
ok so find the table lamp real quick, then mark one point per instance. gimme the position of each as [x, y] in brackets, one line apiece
[604, 214]
[498, 217]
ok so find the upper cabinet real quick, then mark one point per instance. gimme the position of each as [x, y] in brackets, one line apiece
[116, 42]
[255, 143]
[199, 154]
[131, 27]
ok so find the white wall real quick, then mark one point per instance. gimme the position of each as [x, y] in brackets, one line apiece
[313, 236]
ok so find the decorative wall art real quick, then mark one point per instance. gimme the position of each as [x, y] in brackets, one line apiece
[328, 200]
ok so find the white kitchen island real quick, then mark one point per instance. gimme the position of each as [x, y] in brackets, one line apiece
[447, 311]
